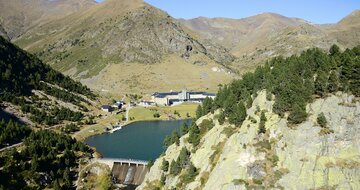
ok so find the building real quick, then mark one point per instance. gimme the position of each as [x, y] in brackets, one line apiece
[171, 98]
[117, 105]
[145, 103]
[106, 108]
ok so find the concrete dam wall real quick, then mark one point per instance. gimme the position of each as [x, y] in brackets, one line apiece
[129, 173]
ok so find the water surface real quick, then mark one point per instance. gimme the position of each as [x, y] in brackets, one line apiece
[140, 140]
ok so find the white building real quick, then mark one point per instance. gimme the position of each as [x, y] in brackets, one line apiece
[170, 98]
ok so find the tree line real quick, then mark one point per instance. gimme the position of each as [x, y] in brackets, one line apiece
[292, 82]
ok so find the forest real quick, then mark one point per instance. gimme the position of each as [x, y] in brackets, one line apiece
[48, 160]
[291, 82]
[12, 132]
[21, 72]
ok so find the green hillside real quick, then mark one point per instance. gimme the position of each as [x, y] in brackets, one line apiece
[291, 83]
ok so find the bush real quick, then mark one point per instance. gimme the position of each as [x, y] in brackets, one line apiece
[156, 115]
[321, 120]
[165, 165]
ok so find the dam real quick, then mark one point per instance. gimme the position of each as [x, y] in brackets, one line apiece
[127, 171]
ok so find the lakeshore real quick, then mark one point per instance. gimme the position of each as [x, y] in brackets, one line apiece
[107, 120]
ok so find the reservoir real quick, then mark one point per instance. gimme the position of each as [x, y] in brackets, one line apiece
[141, 140]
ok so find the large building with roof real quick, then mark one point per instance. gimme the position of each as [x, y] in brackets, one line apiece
[171, 98]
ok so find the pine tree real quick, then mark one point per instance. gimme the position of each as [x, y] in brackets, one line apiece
[184, 129]
[321, 83]
[199, 112]
[321, 120]
[221, 118]
[239, 114]
[263, 120]
[334, 50]
[333, 82]
[175, 138]
[194, 135]
[183, 158]
[165, 165]
[298, 114]
[175, 168]
[162, 180]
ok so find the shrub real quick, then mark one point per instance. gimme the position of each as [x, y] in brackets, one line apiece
[321, 120]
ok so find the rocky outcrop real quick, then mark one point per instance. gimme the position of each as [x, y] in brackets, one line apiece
[306, 156]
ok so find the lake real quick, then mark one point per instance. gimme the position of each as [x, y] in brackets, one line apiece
[141, 140]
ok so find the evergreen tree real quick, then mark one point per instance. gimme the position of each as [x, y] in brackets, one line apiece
[184, 129]
[333, 83]
[162, 179]
[221, 118]
[175, 168]
[263, 120]
[191, 173]
[321, 83]
[207, 106]
[238, 115]
[183, 158]
[175, 138]
[165, 165]
[321, 120]
[199, 112]
[334, 50]
[298, 114]
[194, 135]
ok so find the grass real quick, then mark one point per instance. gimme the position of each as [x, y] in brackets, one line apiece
[166, 112]
[139, 114]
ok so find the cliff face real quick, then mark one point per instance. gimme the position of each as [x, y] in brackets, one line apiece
[306, 156]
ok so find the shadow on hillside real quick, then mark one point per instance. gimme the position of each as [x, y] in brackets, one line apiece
[8, 116]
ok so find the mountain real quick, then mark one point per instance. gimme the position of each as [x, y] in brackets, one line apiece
[346, 31]
[256, 38]
[292, 124]
[18, 16]
[36, 93]
[89, 44]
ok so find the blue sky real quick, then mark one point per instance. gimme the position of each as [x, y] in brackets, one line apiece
[317, 11]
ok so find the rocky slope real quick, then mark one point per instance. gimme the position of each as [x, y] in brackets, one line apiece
[256, 38]
[115, 32]
[18, 16]
[347, 31]
[305, 156]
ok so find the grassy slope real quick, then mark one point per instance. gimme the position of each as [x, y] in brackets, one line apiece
[174, 73]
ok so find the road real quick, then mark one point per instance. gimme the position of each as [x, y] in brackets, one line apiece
[12, 146]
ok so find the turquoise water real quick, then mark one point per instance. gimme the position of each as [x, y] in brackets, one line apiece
[140, 140]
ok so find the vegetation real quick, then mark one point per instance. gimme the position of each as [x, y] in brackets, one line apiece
[20, 72]
[263, 120]
[165, 165]
[12, 132]
[174, 138]
[48, 160]
[70, 128]
[194, 134]
[321, 120]
[294, 81]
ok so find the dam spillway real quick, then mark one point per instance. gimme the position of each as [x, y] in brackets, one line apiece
[129, 173]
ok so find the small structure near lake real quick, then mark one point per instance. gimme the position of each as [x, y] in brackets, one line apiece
[106, 108]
